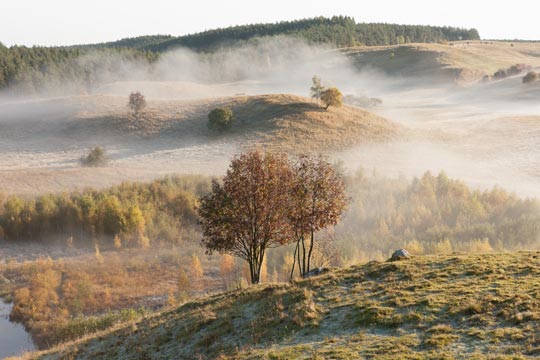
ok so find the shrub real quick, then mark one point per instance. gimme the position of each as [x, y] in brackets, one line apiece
[220, 119]
[500, 74]
[531, 76]
[332, 97]
[137, 103]
[95, 157]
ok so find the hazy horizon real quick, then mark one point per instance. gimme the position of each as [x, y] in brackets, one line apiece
[63, 22]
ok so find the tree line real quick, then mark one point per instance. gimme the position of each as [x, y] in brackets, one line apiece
[341, 31]
[29, 69]
[428, 214]
[130, 214]
[434, 214]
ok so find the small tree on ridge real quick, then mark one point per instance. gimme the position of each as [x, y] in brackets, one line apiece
[137, 103]
[332, 97]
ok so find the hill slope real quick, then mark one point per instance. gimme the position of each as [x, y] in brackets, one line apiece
[460, 61]
[454, 306]
[42, 141]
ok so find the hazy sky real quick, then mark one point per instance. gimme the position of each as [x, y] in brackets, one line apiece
[65, 22]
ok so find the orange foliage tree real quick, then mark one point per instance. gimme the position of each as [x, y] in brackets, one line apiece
[246, 214]
[317, 198]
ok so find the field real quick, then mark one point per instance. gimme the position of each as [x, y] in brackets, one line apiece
[454, 306]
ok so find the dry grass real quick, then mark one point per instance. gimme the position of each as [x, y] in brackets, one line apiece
[454, 306]
[464, 61]
[42, 141]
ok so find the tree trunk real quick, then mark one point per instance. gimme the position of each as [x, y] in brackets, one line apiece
[303, 256]
[294, 259]
[310, 251]
[253, 271]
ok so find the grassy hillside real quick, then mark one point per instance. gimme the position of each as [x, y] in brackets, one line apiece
[296, 123]
[461, 61]
[454, 306]
[279, 121]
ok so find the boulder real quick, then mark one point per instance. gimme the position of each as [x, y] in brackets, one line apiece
[315, 272]
[400, 254]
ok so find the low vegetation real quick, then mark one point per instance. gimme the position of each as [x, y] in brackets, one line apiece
[137, 104]
[64, 299]
[531, 77]
[361, 101]
[96, 157]
[429, 307]
[220, 119]
[511, 71]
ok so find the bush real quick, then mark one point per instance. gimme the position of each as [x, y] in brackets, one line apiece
[500, 74]
[332, 97]
[96, 157]
[220, 119]
[531, 76]
[137, 103]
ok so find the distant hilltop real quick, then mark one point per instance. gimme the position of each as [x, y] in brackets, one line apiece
[340, 31]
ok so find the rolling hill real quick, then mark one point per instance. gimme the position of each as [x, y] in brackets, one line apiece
[429, 307]
[460, 61]
[42, 141]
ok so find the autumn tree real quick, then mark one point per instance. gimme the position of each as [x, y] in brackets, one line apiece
[318, 199]
[332, 97]
[137, 103]
[316, 89]
[245, 215]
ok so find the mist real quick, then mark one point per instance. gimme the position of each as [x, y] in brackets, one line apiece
[446, 127]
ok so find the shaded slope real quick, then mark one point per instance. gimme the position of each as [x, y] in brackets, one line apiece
[478, 306]
[458, 61]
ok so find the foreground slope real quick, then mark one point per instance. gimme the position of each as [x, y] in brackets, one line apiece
[454, 306]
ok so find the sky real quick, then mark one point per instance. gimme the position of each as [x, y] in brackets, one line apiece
[68, 22]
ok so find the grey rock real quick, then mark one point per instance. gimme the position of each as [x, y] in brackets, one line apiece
[400, 254]
[315, 272]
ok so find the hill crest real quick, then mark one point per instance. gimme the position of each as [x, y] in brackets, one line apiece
[457, 305]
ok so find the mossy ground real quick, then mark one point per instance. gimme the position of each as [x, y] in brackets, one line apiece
[439, 307]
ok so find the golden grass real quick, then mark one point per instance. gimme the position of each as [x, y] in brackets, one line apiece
[284, 122]
[463, 61]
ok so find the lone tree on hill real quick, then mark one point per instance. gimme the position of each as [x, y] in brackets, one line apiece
[332, 97]
[247, 214]
[220, 119]
[137, 103]
[316, 89]
[318, 199]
